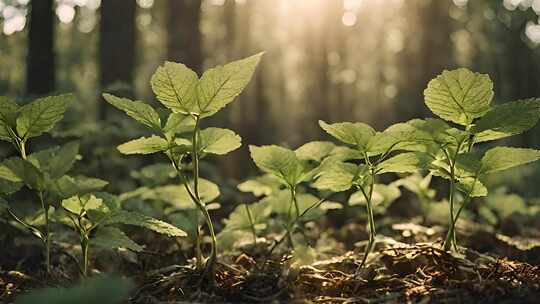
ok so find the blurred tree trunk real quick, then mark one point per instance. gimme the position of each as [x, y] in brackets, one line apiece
[184, 43]
[427, 52]
[117, 47]
[40, 69]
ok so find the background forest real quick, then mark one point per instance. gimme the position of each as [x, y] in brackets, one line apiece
[350, 60]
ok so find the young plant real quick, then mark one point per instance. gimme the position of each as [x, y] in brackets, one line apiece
[88, 213]
[18, 124]
[190, 99]
[464, 98]
[370, 153]
[290, 168]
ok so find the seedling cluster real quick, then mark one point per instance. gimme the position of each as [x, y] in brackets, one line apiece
[297, 184]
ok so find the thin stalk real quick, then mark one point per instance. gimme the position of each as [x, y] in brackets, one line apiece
[84, 247]
[371, 221]
[47, 240]
[251, 224]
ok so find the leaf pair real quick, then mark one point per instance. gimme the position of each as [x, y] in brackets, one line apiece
[33, 119]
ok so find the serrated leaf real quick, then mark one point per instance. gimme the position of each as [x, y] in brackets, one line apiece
[409, 162]
[41, 115]
[472, 187]
[79, 204]
[507, 119]
[8, 115]
[315, 150]
[67, 186]
[144, 145]
[113, 238]
[137, 110]
[357, 134]
[26, 172]
[339, 176]
[261, 185]
[459, 96]
[56, 161]
[220, 85]
[178, 196]
[178, 123]
[175, 87]
[278, 161]
[8, 175]
[502, 158]
[218, 141]
[141, 220]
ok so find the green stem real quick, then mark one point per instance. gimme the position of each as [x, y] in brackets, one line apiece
[47, 240]
[84, 247]
[251, 224]
[371, 221]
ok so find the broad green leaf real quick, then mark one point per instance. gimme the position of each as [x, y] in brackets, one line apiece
[8, 175]
[178, 196]
[7, 187]
[472, 186]
[282, 202]
[175, 87]
[137, 110]
[218, 141]
[141, 220]
[278, 161]
[239, 219]
[339, 176]
[178, 123]
[27, 172]
[409, 162]
[41, 115]
[507, 119]
[56, 161]
[113, 238]
[67, 186]
[8, 115]
[315, 150]
[502, 158]
[261, 185]
[144, 145]
[459, 96]
[155, 174]
[79, 204]
[187, 220]
[357, 134]
[102, 290]
[220, 85]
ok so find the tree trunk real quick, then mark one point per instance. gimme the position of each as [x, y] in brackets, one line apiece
[40, 69]
[183, 33]
[117, 47]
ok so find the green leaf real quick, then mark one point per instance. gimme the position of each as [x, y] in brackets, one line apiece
[220, 85]
[239, 218]
[357, 134]
[67, 186]
[8, 175]
[8, 115]
[459, 96]
[472, 186]
[383, 196]
[102, 289]
[141, 220]
[4, 205]
[315, 150]
[175, 87]
[278, 161]
[79, 204]
[178, 196]
[113, 238]
[187, 220]
[26, 172]
[144, 145]
[137, 110]
[261, 185]
[56, 161]
[41, 115]
[507, 119]
[218, 141]
[339, 176]
[178, 123]
[409, 162]
[502, 158]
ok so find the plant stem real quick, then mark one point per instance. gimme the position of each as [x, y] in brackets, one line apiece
[47, 240]
[371, 221]
[251, 224]
[84, 248]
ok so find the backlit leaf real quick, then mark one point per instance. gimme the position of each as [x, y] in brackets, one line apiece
[144, 145]
[137, 110]
[41, 115]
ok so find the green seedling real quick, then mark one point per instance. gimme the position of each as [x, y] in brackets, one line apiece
[101, 213]
[190, 99]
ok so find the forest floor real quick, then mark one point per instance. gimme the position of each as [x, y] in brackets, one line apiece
[396, 272]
